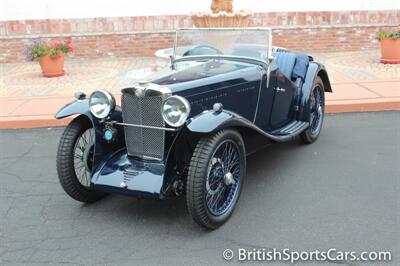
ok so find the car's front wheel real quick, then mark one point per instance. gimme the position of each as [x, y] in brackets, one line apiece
[75, 159]
[216, 173]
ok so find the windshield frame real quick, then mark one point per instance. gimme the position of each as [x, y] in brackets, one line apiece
[229, 57]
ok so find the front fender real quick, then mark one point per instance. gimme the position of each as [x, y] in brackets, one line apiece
[209, 121]
[73, 108]
[314, 70]
[82, 107]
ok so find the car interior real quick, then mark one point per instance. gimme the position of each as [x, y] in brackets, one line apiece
[292, 65]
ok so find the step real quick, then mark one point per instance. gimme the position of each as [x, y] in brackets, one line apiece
[292, 128]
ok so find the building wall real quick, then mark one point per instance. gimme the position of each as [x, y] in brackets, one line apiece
[143, 35]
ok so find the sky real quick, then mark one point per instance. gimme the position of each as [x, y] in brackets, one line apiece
[48, 9]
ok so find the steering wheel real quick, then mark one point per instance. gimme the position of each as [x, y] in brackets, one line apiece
[193, 50]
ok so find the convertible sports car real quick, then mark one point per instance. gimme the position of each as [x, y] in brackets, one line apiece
[187, 130]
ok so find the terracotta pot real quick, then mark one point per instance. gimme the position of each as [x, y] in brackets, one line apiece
[52, 67]
[229, 20]
[390, 49]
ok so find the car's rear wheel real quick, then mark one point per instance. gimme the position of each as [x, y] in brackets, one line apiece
[317, 112]
[216, 173]
[75, 159]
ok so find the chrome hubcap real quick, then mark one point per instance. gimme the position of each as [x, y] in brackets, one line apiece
[228, 179]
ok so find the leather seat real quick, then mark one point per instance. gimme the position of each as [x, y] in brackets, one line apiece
[300, 68]
[285, 62]
[292, 65]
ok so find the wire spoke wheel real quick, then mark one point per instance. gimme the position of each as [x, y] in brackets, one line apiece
[83, 157]
[223, 177]
[215, 178]
[317, 110]
[75, 160]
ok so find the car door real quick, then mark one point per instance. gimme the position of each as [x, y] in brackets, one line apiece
[283, 97]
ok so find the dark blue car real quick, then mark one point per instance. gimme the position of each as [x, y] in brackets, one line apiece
[187, 131]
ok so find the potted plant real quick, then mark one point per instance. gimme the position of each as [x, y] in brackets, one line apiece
[50, 56]
[390, 47]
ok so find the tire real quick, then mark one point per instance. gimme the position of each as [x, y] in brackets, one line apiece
[317, 111]
[207, 159]
[65, 162]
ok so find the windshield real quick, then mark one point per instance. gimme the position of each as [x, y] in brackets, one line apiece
[242, 42]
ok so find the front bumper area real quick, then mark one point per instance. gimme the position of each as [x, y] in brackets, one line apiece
[125, 175]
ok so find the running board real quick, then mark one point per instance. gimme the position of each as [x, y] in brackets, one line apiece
[292, 129]
[280, 135]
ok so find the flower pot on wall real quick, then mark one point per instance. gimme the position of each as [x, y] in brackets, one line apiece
[221, 5]
[390, 49]
[222, 16]
[52, 66]
[222, 19]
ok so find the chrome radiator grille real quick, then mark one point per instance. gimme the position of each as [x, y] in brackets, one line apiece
[142, 142]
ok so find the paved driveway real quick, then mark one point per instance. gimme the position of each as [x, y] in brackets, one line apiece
[342, 192]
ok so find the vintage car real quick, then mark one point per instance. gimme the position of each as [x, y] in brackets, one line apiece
[187, 130]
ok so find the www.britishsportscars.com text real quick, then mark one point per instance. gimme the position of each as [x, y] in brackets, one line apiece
[293, 256]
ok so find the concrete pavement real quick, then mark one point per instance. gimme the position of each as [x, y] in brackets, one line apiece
[341, 192]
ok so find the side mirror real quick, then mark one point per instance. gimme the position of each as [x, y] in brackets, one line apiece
[79, 95]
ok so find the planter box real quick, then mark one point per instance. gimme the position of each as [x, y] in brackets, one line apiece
[390, 49]
[52, 67]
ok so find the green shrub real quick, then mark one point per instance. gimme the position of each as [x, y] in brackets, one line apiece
[388, 35]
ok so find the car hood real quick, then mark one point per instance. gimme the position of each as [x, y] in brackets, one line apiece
[203, 74]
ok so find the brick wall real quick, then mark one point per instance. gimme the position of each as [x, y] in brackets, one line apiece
[142, 36]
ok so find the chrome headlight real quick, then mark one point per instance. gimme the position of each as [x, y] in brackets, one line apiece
[101, 104]
[175, 110]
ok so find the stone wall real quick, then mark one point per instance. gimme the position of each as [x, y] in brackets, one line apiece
[142, 36]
